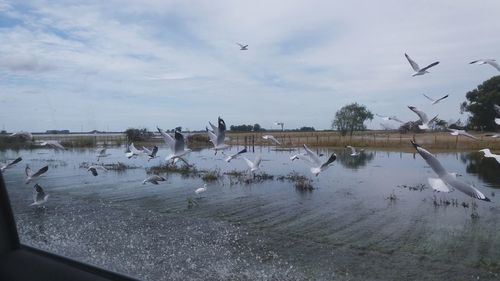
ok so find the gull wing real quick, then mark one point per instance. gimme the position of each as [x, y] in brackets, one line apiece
[257, 160]
[469, 135]
[431, 160]
[39, 193]
[420, 114]
[494, 64]
[215, 130]
[40, 172]
[442, 98]
[353, 150]
[155, 150]
[330, 160]
[394, 118]
[429, 98]
[249, 163]
[167, 139]
[212, 136]
[465, 188]
[179, 142]
[429, 66]
[132, 149]
[17, 160]
[438, 185]
[313, 156]
[413, 64]
[146, 150]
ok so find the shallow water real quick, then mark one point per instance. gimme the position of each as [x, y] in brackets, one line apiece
[345, 229]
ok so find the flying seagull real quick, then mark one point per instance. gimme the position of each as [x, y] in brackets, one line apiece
[151, 153]
[201, 189]
[387, 118]
[456, 132]
[102, 153]
[218, 135]
[243, 47]
[11, 164]
[177, 146]
[304, 156]
[23, 135]
[353, 150]
[418, 70]
[434, 101]
[39, 196]
[487, 153]
[30, 176]
[491, 62]
[93, 169]
[53, 144]
[254, 166]
[154, 179]
[234, 156]
[446, 179]
[134, 152]
[319, 165]
[269, 137]
[423, 117]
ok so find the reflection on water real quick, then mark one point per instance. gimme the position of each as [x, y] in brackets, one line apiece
[345, 229]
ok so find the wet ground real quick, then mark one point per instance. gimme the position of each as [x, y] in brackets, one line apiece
[369, 218]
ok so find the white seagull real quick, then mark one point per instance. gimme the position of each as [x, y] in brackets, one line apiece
[423, 117]
[319, 165]
[446, 179]
[134, 152]
[456, 132]
[154, 179]
[93, 169]
[434, 101]
[487, 153]
[272, 138]
[418, 70]
[491, 62]
[201, 189]
[23, 135]
[30, 176]
[39, 196]
[243, 47]
[53, 144]
[353, 150]
[102, 153]
[218, 135]
[254, 166]
[387, 118]
[10, 165]
[176, 145]
[234, 156]
[304, 156]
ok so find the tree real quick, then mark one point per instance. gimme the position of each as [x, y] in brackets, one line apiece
[351, 118]
[480, 103]
[138, 134]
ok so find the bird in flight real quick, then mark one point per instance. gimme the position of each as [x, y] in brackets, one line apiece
[417, 69]
[243, 47]
[491, 62]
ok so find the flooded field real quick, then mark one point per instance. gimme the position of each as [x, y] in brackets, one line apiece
[371, 217]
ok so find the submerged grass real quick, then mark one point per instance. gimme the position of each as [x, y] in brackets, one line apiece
[119, 166]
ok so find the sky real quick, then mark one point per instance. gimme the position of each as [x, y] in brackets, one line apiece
[111, 65]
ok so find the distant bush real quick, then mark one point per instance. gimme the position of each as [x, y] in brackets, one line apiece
[134, 134]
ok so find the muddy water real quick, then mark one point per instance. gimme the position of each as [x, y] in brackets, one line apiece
[345, 229]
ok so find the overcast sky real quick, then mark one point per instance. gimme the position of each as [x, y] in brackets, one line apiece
[118, 64]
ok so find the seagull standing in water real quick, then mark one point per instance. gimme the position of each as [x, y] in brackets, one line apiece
[243, 47]
[487, 153]
[218, 135]
[30, 176]
[11, 164]
[455, 132]
[234, 156]
[154, 179]
[434, 101]
[319, 166]
[39, 196]
[176, 145]
[423, 117]
[272, 138]
[354, 152]
[491, 62]
[201, 189]
[418, 70]
[93, 169]
[446, 179]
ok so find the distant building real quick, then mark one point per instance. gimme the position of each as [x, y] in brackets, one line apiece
[57, 132]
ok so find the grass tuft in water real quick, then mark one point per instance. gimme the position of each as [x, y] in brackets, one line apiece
[211, 176]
